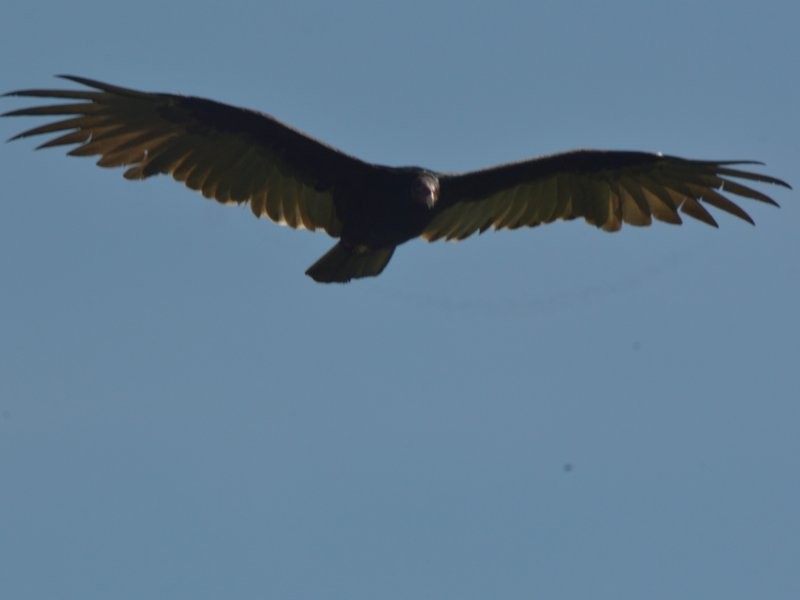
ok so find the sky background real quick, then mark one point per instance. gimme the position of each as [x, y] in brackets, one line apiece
[554, 413]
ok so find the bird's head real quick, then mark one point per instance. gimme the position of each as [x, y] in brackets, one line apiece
[425, 189]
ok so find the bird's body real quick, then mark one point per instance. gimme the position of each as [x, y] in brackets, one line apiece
[379, 210]
[236, 155]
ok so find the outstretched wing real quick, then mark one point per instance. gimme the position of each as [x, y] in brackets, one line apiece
[607, 189]
[230, 154]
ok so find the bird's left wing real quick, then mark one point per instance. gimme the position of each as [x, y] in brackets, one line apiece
[230, 154]
[606, 188]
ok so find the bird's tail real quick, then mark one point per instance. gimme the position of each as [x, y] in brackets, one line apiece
[344, 262]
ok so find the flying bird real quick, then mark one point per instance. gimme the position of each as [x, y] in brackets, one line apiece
[238, 156]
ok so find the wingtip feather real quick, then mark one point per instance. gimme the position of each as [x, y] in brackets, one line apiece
[99, 85]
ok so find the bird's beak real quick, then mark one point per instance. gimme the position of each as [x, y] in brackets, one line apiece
[430, 199]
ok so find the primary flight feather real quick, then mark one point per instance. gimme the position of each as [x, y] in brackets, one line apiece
[234, 155]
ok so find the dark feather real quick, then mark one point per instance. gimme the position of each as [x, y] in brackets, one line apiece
[605, 188]
[235, 155]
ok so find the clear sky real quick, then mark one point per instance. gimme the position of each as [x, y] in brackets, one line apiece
[553, 413]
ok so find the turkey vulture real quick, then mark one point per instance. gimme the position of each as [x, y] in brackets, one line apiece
[234, 155]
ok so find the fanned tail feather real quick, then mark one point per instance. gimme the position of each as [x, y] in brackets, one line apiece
[344, 262]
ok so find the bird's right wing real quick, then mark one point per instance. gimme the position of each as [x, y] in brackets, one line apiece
[230, 154]
[605, 188]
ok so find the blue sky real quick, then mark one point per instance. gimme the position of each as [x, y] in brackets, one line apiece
[553, 413]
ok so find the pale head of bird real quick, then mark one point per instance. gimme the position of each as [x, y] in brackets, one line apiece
[425, 189]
